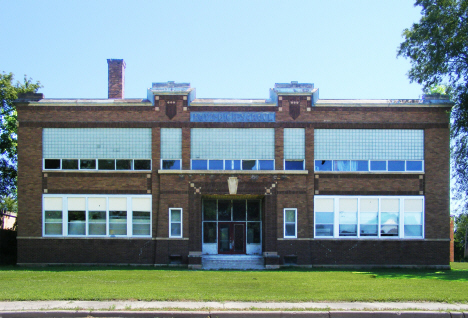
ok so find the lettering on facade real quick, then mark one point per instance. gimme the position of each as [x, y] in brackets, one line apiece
[232, 117]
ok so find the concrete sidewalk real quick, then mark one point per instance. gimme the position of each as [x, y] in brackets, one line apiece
[191, 305]
[179, 309]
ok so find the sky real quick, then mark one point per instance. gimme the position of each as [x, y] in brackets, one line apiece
[225, 49]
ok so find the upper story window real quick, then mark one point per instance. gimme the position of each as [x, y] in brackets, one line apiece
[232, 148]
[372, 150]
[171, 148]
[294, 148]
[96, 149]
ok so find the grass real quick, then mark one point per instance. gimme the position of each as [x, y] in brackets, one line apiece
[288, 285]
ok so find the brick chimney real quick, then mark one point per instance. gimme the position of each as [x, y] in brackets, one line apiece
[116, 81]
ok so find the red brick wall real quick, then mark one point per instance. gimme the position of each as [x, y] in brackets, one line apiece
[180, 190]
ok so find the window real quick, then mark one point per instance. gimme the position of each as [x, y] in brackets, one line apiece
[76, 216]
[348, 217]
[368, 165]
[218, 210]
[294, 148]
[324, 217]
[369, 216]
[97, 216]
[175, 223]
[171, 148]
[117, 216]
[94, 215]
[290, 223]
[53, 208]
[218, 164]
[96, 148]
[293, 164]
[374, 150]
[141, 216]
[102, 164]
[413, 217]
[232, 143]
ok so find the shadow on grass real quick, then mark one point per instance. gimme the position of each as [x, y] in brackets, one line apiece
[396, 273]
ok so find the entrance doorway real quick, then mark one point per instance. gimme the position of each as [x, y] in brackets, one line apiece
[232, 226]
[231, 238]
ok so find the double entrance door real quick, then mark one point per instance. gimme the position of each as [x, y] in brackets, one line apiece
[231, 237]
[231, 226]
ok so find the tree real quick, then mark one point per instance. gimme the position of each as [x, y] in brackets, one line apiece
[437, 47]
[8, 129]
[8, 204]
[459, 237]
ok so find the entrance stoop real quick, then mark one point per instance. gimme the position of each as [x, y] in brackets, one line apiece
[242, 262]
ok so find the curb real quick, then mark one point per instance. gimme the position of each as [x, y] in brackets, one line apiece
[235, 314]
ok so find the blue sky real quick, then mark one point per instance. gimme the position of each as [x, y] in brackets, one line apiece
[230, 49]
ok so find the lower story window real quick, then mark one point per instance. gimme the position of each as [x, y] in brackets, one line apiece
[175, 223]
[86, 215]
[369, 216]
[290, 223]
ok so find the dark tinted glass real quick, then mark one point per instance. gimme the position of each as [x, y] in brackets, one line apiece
[106, 164]
[87, 164]
[209, 210]
[70, 164]
[248, 164]
[253, 210]
[209, 232]
[52, 164]
[142, 165]
[253, 232]
[125, 164]
[293, 165]
[323, 165]
[199, 164]
[171, 164]
[224, 210]
[238, 210]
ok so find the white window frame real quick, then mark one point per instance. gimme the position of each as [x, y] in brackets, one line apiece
[295, 223]
[284, 163]
[161, 164]
[97, 164]
[401, 215]
[181, 223]
[369, 166]
[257, 164]
[65, 197]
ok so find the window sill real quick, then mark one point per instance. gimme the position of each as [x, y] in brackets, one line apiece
[369, 172]
[97, 171]
[53, 237]
[301, 172]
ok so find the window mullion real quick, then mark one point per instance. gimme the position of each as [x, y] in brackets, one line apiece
[65, 216]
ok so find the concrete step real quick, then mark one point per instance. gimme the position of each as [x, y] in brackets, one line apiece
[242, 262]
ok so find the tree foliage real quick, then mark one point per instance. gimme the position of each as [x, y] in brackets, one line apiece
[8, 129]
[459, 236]
[437, 47]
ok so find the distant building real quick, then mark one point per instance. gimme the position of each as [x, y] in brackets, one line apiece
[240, 183]
[8, 220]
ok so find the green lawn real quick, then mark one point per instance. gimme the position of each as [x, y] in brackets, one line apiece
[120, 283]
